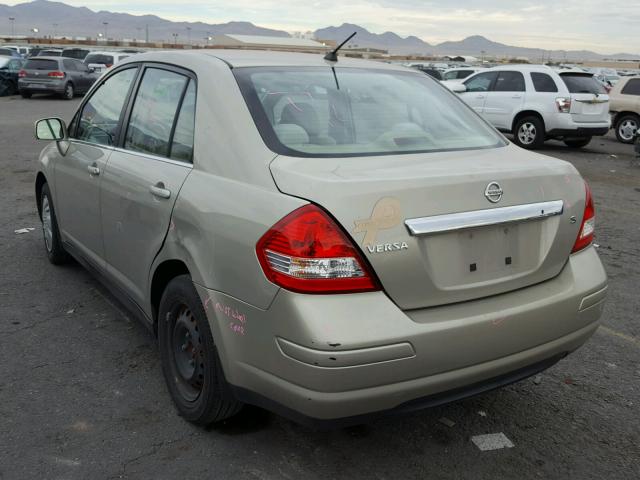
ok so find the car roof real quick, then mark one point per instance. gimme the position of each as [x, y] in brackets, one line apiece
[46, 57]
[261, 58]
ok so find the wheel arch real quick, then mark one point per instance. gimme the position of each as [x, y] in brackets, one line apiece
[527, 113]
[619, 115]
[40, 181]
[166, 271]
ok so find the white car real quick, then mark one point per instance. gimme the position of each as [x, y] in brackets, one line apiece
[101, 61]
[537, 103]
[456, 75]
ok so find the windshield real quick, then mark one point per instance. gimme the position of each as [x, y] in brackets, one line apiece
[99, 58]
[322, 112]
[76, 53]
[582, 83]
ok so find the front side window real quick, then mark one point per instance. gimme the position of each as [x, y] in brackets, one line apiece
[100, 117]
[543, 82]
[323, 112]
[632, 87]
[509, 82]
[481, 82]
[154, 112]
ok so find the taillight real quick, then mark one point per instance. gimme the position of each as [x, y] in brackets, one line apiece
[22, 74]
[564, 104]
[307, 252]
[108, 65]
[56, 74]
[588, 226]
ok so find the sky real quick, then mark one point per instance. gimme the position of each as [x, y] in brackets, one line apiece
[598, 25]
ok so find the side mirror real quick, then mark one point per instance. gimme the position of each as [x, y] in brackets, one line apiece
[459, 88]
[51, 129]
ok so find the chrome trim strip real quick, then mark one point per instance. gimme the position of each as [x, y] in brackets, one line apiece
[482, 218]
[154, 157]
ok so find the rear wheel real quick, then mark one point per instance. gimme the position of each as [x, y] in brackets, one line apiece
[52, 243]
[68, 92]
[577, 142]
[528, 132]
[627, 127]
[190, 360]
[25, 94]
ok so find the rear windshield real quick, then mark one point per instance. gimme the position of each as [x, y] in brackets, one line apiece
[76, 53]
[41, 64]
[49, 53]
[98, 58]
[582, 83]
[322, 112]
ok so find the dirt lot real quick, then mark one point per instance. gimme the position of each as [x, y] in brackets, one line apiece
[82, 395]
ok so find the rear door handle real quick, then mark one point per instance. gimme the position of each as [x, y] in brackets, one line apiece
[93, 169]
[159, 191]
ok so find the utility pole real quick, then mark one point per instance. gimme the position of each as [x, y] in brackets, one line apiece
[13, 21]
[146, 33]
[106, 24]
[55, 27]
[175, 38]
[189, 35]
[482, 52]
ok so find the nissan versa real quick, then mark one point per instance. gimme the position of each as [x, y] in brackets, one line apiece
[325, 239]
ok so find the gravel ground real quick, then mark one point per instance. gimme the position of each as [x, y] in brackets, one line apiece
[82, 396]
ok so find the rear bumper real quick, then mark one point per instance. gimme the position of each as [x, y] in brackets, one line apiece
[579, 132]
[339, 358]
[53, 87]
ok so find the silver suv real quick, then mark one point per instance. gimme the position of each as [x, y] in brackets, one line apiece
[325, 239]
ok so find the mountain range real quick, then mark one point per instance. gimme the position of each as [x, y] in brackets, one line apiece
[56, 18]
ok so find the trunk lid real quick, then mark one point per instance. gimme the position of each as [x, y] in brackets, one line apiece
[372, 197]
[589, 99]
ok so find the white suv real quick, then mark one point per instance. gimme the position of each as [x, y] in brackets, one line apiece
[537, 103]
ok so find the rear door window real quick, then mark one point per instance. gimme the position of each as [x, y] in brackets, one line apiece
[509, 82]
[100, 116]
[632, 87]
[481, 82]
[182, 144]
[41, 64]
[582, 83]
[543, 82]
[154, 112]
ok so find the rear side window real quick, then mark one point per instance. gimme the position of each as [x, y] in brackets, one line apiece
[509, 82]
[481, 82]
[100, 59]
[632, 87]
[582, 83]
[101, 114]
[543, 82]
[182, 144]
[464, 73]
[41, 64]
[69, 65]
[154, 112]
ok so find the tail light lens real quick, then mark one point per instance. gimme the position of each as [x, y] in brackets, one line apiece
[564, 104]
[22, 74]
[307, 252]
[56, 74]
[588, 226]
[108, 65]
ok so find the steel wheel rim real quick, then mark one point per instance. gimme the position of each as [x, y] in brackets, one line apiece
[628, 129]
[187, 354]
[527, 133]
[47, 228]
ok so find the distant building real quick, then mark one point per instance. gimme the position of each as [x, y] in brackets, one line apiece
[365, 52]
[262, 42]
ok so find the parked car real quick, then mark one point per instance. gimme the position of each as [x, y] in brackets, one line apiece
[9, 52]
[432, 72]
[536, 103]
[625, 108]
[101, 61]
[458, 74]
[63, 76]
[326, 241]
[77, 53]
[9, 68]
[50, 52]
[22, 50]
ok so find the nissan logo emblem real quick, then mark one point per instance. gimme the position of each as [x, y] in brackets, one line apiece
[493, 192]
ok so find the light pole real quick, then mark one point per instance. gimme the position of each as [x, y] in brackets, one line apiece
[208, 38]
[106, 24]
[55, 27]
[138, 35]
[189, 35]
[482, 58]
[35, 32]
[13, 21]
[175, 38]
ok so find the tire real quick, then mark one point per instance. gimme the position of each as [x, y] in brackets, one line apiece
[25, 94]
[529, 133]
[69, 92]
[626, 127]
[190, 361]
[50, 232]
[577, 142]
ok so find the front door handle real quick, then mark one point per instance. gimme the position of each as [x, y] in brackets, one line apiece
[93, 169]
[159, 191]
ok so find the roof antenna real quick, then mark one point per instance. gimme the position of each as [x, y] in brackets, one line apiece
[332, 56]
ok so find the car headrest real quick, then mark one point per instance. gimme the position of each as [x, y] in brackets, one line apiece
[290, 134]
[302, 114]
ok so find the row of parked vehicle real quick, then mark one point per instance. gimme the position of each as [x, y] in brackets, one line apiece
[65, 72]
[536, 103]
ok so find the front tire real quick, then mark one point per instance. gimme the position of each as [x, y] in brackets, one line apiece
[52, 243]
[190, 361]
[627, 127]
[25, 94]
[529, 133]
[577, 142]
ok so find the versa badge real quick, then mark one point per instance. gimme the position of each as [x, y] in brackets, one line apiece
[386, 214]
